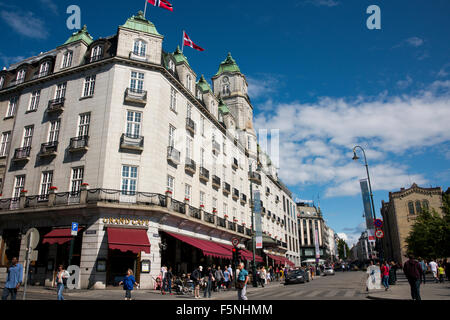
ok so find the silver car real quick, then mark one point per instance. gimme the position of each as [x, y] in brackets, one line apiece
[328, 272]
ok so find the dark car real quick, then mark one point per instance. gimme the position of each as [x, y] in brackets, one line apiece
[296, 276]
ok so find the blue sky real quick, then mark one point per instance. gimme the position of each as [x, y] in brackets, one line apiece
[315, 72]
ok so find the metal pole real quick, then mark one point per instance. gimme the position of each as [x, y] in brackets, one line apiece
[182, 43]
[145, 8]
[255, 284]
[27, 263]
[71, 250]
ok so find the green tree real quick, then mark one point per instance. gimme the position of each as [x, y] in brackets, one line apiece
[430, 235]
[342, 245]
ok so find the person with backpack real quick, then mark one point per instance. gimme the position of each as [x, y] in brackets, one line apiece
[128, 284]
[61, 281]
[412, 271]
[196, 277]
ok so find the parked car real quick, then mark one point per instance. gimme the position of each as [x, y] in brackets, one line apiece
[328, 272]
[296, 276]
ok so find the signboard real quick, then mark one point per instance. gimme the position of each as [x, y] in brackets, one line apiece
[235, 241]
[316, 243]
[259, 242]
[379, 234]
[378, 223]
[367, 208]
[257, 211]
[74, 231]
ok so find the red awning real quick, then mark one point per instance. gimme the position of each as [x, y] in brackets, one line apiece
[59, 236]
[134, 240]
[208, 248]
[277, 259]
[245, 254]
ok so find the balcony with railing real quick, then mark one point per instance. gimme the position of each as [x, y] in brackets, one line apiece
[248, 232]
[190, 166]
[240, 229]
[254, 177]
[41, 75]
[49, 149]
[79, 144]
[277, 199]
[22, 154]
[136, 96]
[56, 105]
[132, 142]
[235, 164]
[231, 226]
[226, 188]
[173, 155]
[215, 181]
[190, 125]
[204, 174]
[273, 217]
[195, 213]
[278, 220]
[208, 217]
[137, 56]
[221, 222]
[243, 199]
[267, 191]
[235, 194]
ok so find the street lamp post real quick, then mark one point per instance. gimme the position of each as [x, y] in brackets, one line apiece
[356, 158]
[252, 205]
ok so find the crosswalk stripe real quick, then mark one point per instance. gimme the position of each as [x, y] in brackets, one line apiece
[331, 293]
[314, 293]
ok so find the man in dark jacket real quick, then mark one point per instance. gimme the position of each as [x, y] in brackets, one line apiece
[412, 271]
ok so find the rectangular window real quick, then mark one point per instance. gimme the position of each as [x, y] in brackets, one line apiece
[137, 82]
[171, 136]
[170, 184]
[54, 130]
[43, 71]
[20, 76]
[34, 100]
[202, 198]
[61, 90]
[83, 124]
[129, 180]
[202, 157]
[5, 143]
[214, 203]
[234, 213]
[225, 209]
[187, 191]
[19, 185]
[67, 59]
[224, 146]
[202, 125]
[46, 183]
[2, 82]
[224, 174]
[173, 100]
[134, 124]
[89, 86]
[27, 136]
[12, 105]
[188, 148]
[77, 180]
[189, 111]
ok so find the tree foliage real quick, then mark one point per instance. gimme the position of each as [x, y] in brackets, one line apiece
[342, 245]
[430, 234]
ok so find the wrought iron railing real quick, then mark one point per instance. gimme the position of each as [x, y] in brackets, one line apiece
[56, 104]
[49, 147]
[221, 222]
[216, 180]
[173, 155]
[194, 213]
[204, 173]
[190, 125]
[208, 217]
[21, 153]
[131, 140]
[190, 165]
[79, 142]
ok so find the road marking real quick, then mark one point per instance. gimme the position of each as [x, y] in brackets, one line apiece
[314, 293]
[331, 293]
[350, 293]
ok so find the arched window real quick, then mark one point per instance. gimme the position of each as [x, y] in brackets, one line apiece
[67, 59]
[425, 205]
[226, 89]
[418, 207]
[171, 65]
[20, 76]
[140, 48]
[96, 53]
[44, 69]
[411, 208]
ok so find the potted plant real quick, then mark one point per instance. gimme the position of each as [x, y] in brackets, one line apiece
[202, 206]
[84, 184]
[214, 211]
[53, 188]
[225, 216]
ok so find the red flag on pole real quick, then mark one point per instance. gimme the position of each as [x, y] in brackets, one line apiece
[188, 42]
[162, 4]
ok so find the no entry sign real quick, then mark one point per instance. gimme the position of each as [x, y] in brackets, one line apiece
[379, 234]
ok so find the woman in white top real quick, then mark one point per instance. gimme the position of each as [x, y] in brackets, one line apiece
[61, 281]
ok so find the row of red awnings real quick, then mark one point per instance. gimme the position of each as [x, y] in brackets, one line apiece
[281, 260]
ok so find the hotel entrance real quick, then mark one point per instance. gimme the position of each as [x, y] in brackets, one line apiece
[118, 264]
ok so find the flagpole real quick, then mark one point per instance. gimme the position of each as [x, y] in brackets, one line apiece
[145, 9]
[182, 43]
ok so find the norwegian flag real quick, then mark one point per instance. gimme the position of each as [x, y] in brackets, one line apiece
[162, 4]
[188, 42]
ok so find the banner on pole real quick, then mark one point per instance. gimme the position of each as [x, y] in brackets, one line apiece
[316, 243]
[257, 212]
[367, 209]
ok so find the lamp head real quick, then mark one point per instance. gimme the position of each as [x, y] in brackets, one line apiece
[355, 157]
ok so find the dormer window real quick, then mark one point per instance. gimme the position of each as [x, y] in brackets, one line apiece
[199, 94]
[171, 65]
[20, 76]
[96, 53]
[44, 69]
[2, 81]
[189, 82]
[140, 48]
[67, 59]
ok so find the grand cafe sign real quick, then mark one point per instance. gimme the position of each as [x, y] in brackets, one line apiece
[126, 221]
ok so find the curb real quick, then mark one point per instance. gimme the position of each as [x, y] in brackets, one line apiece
[386, 298]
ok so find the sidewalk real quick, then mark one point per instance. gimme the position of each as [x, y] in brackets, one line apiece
[401, 291]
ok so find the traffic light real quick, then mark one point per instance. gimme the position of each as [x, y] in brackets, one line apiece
[236, 252]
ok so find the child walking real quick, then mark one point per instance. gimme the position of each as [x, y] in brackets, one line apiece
[128, 284]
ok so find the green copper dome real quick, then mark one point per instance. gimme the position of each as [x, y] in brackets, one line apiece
[229, 65]
[179, 56]
[139, 23]
[223, 107]
[82, 35]
[203, 85]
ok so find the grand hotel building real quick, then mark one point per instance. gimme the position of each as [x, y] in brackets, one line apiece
[152, 162]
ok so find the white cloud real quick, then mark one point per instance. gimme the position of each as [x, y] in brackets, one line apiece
[414, 41]
[50, 4]
[316, 139]
[7, 61]
[262, 86]
[25, 23]
[443, 72]
[403, 84]
[322, 3]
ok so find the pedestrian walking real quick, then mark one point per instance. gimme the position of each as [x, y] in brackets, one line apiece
[263, 275]
[208, 280]
[268, 276]
[441, 272]
[447, 269]
[385, 275]
[128, 284]
[393, 273]
[424, 267]
[219, 277]
[168, 281]
[13, 280]
[61, 281]
[196, 277]
[241, 283]
[227, 278]
[343, 267]
[434, 269]
[412, 271]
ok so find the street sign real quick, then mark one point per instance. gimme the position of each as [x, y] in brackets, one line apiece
[378, 223]
[235, 242]
[74, 231]
[33, 233]
[379, 234]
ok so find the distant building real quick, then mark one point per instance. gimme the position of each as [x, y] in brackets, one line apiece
[365, 248]
[354, 252]
[400, 213]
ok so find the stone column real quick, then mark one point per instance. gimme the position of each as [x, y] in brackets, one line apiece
[22, 200]
[83, 194]
[51, 198]
[146, 280]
